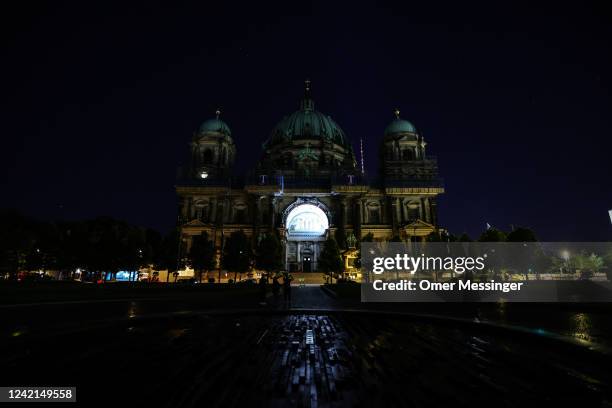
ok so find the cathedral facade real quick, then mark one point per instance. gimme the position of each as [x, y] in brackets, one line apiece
[308, 185]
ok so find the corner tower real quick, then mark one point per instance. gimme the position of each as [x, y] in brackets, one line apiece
[213, 150]
[410, 180]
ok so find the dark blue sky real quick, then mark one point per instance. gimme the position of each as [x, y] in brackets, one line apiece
[99, 101]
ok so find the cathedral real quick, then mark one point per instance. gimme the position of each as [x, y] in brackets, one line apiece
[308, 185]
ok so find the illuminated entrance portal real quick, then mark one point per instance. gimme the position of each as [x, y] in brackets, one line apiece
[306, 225]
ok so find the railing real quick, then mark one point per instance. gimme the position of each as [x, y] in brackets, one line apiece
[285, 181]
[302, 181]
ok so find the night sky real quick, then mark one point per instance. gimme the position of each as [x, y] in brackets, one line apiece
[100, 102]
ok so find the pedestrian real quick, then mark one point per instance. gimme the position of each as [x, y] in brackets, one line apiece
[263, 283]
[275, 287]
[287, 278]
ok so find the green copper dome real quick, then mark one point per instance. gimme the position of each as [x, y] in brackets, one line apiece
[215, 125]
[399, 126]
[307, 123]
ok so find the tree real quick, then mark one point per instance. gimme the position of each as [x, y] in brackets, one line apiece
[104, 255]
[340, 236]
[465, 238]
[26, 244]
[396, 238]
[369, 237]
[202, 254]
[588, 264]
[269, 253]
[237, 254]
[133, 250]
[152, 249]
[434, 236]
[170, 257]
[607, 259]
[492, 235]
[330, 260]
[521, 235]
[526, 258]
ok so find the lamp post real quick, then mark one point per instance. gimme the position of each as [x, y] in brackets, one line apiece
[566, 256]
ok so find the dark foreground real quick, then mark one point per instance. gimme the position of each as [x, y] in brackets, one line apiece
[315, 352]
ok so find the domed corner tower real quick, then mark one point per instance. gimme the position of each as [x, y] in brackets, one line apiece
[410, 179]
[213, 150]
[307, 143]
[403, 153]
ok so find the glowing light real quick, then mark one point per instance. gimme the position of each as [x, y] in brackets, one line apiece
[307, 219]
[204, 175]
[565, 255]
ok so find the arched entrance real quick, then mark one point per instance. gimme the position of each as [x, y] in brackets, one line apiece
[306, 225]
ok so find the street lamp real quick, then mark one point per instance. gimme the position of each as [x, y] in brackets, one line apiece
[566, 256]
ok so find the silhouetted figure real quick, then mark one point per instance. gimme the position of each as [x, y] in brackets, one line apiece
[287, 278]
[275, 287]
[263, 282]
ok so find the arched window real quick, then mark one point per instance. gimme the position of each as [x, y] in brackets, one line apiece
[408, 154]
[373, 209]
[240, 216]
[413, 211]
[374, 215]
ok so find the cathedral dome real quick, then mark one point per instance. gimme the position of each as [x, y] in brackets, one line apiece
[215, 125]
[399, 126]
[307, 124]
[307, 143]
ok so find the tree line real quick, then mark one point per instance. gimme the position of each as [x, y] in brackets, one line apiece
[103, 246]
[99, 247]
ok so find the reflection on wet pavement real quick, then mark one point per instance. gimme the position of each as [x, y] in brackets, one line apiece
[306, 360]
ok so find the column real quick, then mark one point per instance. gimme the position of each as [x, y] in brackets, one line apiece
[258, 216]
[213, 210]
[434, 212]
[398, 210]
[394, 220]
[425, 205]
[357, 218]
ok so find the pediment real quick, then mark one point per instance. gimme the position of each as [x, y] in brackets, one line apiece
[419, 224]
[194, 223]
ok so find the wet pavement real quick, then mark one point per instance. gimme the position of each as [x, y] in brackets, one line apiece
[317, 351]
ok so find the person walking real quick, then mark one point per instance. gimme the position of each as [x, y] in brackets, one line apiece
[263, 283]
[287, 278]
[275, 287]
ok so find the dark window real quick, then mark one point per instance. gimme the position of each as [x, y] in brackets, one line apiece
[374, 216]
[413, 213]
[208, 156]
[240, 216]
